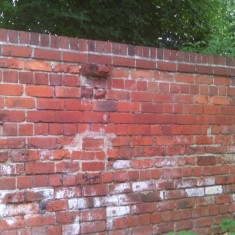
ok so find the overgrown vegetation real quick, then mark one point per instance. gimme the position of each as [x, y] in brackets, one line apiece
[206, 26]
[227, 227]
[221, 40]
[183, 233]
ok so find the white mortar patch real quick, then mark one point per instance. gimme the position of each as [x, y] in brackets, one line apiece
[121, 164]
[73, 204]
[185, 184]
[206, 181]
[112, 200]
[195, 192]
[3, 211]
[71, 229]
[22, 209]
[117, 211]
[233, 197]
[11, 221]
[65, 193]
[76, 145]
[214, 190]
[48, 193]
[142, 186]
[120, 188]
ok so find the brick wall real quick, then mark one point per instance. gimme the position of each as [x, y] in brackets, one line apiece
[107, 138]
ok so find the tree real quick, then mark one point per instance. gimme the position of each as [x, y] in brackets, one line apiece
[168, 23]
[221, 40]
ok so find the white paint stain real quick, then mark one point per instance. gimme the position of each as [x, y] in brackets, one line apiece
[65, 193]
[11, 221]
[48, 193]
[206, 181]
[185, 184]
[195, 192]
[214, 190]
[121, 164]
[71, 229]
[76, 145]
[162, 195]
[73, 204]
[142, 186]
[22, 209]
[3, 211]
[113, 211]
[120, 188]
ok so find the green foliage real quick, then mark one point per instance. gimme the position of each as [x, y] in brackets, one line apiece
[182, 233]
[228, 225]
[222, 38]
[168, 23]
[205, 26]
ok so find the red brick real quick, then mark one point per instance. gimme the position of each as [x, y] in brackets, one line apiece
[14, 197]
[16, 51]
[37, 65]
[40, 181]
[39, 167]
[93, 166]
[69, 117]
[47, 54]
[203, 140]
[66, 217]
[26, 130]
[9, 129]
[206, 161]
[151, 108]
[67, 166]
[41, 78]
[106, 106]
[94, 70]
[39, 91]
[118, 84]
[24, 37]
[11, 63]
[141, 97]
[7, 183]
[15, 222]
[55, 79]
[221, 100]
[52, 104]
[42, 143]
[67, 92]
[24, 103]
[24, 182]
[38, 220]
[56, 205]
[93, 215]
[4, 156]
[75, 57]
[12, 143]
[87, 92]
[3, 35]
[55, 129]
[55, 180]
[41, 116]
[11, 90]
[122, 61]
[95, 190]
[10, 76]
[100, 94]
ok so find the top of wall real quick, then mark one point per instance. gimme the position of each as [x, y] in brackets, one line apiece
[90, 51]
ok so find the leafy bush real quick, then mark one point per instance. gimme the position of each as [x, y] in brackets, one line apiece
[183, 233]
[228, 225]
